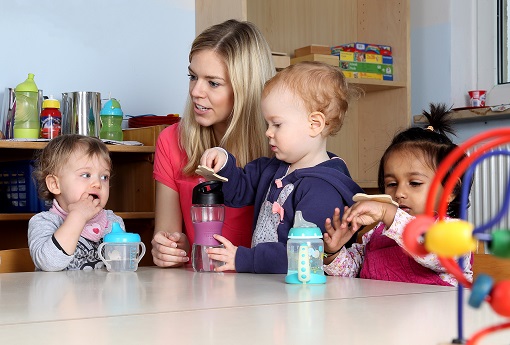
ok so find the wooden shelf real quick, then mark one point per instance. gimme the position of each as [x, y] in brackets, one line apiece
[372, 85]
[135, 215]
[39, 145]
[132, 188]
[471, 115]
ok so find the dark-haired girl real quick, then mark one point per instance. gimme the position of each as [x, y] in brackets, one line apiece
[406, 171]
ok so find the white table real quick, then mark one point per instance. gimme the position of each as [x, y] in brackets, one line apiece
[179, 306]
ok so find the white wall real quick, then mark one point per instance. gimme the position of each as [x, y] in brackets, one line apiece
[137, 50]
[443, 52]
[451, 53]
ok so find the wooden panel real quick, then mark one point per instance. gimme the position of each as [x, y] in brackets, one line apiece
[210, 12]
[145, 135]
[345, 143]
[16, 260]
[387, 22]
[291, 24]
[132, 187]
[381, 116]
[14, 234]
[497, 268]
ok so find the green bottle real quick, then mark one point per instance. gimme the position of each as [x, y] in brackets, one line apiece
[26, 115]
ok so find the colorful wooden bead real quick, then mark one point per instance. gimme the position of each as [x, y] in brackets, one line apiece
[450, 238]
[480, 290]
[500, 298]
[500, 244]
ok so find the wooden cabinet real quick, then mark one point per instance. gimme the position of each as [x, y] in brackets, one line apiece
[132, 191]
[384, 108]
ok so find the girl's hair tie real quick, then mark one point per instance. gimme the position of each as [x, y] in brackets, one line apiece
[430, 128]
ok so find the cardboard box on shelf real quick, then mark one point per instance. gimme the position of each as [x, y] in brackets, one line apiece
[329, 59]
[366, 67]
[363, 57]
[364, 75]
[359, 47]
[280, 60]
[312, 49]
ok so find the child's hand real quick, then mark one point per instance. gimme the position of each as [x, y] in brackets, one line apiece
[213, 158]
[369, 212]
[86, 207]
[337, 233]
[227, 254]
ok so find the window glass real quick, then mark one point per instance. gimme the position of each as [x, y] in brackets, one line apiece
[502, 37]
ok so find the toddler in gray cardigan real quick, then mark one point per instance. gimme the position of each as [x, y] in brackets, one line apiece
[74, 172]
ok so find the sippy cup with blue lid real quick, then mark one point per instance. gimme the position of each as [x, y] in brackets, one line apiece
[305, 250]
[121, 250]
[111, 121]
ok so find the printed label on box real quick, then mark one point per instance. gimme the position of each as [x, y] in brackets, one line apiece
[364, 48]
[363, 57]
[366, 67]
[363, 75]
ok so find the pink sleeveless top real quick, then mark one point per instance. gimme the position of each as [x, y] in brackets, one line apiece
[386, 260]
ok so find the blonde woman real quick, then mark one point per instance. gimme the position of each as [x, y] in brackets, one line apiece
[229, 64]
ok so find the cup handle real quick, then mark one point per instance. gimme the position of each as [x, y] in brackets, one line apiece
[142, 253]
[303, 264]
[99, 253]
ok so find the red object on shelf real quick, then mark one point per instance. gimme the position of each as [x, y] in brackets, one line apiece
[152, 120]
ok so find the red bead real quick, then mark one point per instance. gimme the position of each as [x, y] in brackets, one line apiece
[417, 227]
[500, 298]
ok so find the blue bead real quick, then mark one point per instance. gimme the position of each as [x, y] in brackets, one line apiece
[481, 288]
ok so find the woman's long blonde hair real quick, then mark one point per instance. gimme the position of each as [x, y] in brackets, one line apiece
[249, 64]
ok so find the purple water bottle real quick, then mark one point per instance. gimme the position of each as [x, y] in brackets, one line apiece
[207, 214]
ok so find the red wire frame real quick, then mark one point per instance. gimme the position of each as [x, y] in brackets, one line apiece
[498, 137]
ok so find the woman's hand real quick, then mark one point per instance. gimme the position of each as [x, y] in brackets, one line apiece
[169, 249]
[213, 158]
[227, 254]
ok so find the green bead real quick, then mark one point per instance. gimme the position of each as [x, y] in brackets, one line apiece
[500, 244]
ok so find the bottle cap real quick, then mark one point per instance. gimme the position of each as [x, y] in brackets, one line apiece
[208, 193]
[117, 235]
[51, 103]
[28, 85]
[112, 107]
[304, 229]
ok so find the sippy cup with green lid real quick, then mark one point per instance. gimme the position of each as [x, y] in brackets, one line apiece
[305, 250]
[121, 250]
[111, 121]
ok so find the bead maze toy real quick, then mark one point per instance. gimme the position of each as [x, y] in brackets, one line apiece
[451, 238]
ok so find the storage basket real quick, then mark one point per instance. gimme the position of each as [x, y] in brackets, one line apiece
[18, 190]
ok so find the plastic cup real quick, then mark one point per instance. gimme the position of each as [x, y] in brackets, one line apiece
[477, 98]
[121, 257]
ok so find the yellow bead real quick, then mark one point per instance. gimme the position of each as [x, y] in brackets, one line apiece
[450, 238]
